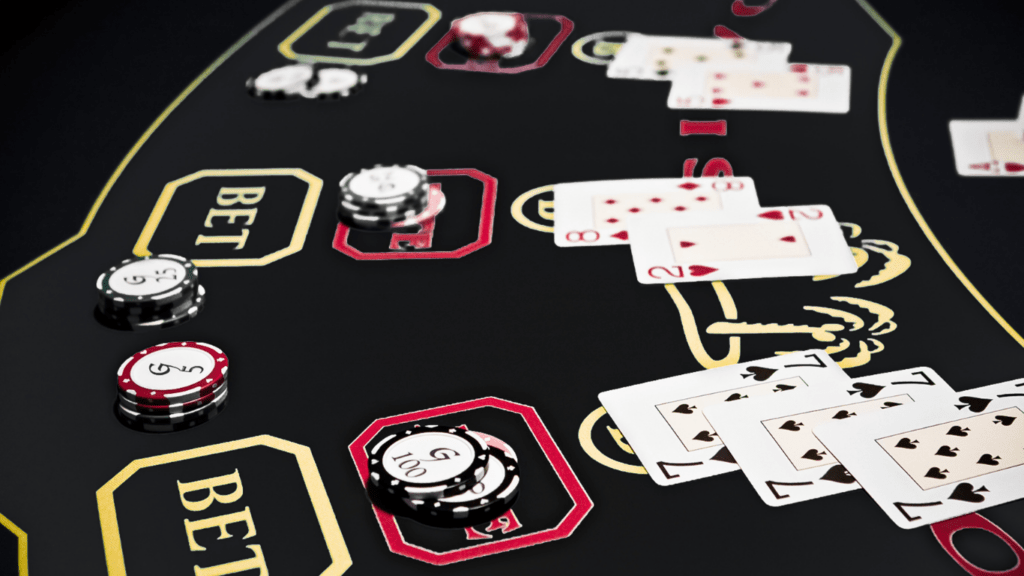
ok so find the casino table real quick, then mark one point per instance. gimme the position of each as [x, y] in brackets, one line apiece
[125, 124]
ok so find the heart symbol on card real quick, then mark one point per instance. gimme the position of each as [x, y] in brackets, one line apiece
[957, 431]
[866, 390]
[907, 443]
[840, 474]
[946, 451]
[988, 460]
[697, 270]
[704, 436]
[967, 493]
[934, 472]
[972, 403]
[759, 374]
[684, 409]
[791, 425]
[813, 454]
[772, 215]
[624, 235]
[1004, 420]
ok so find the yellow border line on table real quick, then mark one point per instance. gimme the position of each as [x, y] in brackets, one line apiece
[22, 544]
[883, 128]
[145, 136]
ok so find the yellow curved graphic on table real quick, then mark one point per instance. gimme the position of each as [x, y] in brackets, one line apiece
[517, 210]
[587, 442]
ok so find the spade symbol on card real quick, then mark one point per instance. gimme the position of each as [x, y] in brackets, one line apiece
[974, 404]
[967, 493]
[840, 474]
[724, 455]
[813, 454]
[843, 414]
[1004, 420]
[704, 436]
[735, 396]
[946, 451]
[760, 374]
[783, 388]
[791, 425]
[958, 431]
[891, 405]
[988, 460]
[866, 390]
[906, 443]
[934, 472]
[684, 409]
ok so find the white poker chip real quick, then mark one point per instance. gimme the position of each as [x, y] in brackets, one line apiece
[284, 81]
[336, 83]
[148, 281]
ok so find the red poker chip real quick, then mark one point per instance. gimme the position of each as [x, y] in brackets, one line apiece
[172, 373]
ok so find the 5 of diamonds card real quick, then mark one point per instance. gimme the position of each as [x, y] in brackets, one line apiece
[758, 243]
[595, 213]
[663, 420]
[932, 461]
[644, 57]
[771, 439]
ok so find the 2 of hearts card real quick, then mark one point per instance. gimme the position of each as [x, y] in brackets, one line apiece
[989, 147]
[595, 213]
[931, 461]
[738, 244]
[795, 88]
[644, 57]
[771, 438]
[664, 423]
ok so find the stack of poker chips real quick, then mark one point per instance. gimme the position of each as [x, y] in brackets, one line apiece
[149, 292]
[172, 386]
[491, 35]
[375, 199]
[443, 477]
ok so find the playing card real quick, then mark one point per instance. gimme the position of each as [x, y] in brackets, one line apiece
[595, 213]
[932, 461]
[771, 440]
[663, 421]
[797, 88]
[644, 57]
[750, 243]
[989, 147]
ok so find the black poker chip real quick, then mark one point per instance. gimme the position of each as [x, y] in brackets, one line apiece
[146, 283]
[428, 461]
[154, 321]
[486, 500]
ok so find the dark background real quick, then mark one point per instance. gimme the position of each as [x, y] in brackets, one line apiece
[83, 81]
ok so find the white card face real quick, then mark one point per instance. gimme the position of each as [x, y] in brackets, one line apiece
[931, 461]
[989, 147]
[771, 438]
[595, 213]
[738, 244]
[661, 57]
[797, 88]
[664, 423]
